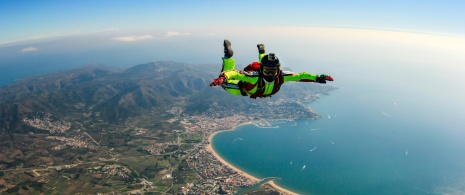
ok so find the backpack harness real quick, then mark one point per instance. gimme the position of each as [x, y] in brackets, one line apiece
[255, 67]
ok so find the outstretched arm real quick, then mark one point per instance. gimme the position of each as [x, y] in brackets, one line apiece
[233, 77]
[306, 77]
[250, 77]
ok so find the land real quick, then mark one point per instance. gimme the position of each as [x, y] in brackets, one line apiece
[89, 131]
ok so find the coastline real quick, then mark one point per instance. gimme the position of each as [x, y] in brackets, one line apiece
[280, 189]
[209, 148]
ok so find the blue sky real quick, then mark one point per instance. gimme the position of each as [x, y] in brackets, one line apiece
[22, 20]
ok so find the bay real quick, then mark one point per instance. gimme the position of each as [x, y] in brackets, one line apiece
[386, 140]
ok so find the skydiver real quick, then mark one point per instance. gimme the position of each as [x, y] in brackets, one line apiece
[259, 79]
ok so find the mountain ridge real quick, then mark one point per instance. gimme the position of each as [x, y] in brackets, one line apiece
[114, 94]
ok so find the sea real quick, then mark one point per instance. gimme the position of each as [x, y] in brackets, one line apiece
[377, 137]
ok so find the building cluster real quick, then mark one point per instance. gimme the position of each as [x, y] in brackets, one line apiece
[208, 186]
[159, 148]
[215, 177]
[116, 170]
[75, 142]
[175, 110]
[46, 123]
[224, 120]
[207, 124]
[282, 109]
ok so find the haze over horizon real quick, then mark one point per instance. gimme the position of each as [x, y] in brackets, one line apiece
[158, 30]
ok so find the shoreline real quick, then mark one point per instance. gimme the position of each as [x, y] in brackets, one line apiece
[209, 148]
[280, 189]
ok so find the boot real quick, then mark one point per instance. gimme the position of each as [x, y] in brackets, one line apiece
[228, 52]
[261, 51]
[261, 48]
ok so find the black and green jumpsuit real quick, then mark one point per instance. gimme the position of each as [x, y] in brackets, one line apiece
[248, 82]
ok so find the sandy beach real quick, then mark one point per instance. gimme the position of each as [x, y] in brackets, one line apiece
[280, 189]
[209, 147]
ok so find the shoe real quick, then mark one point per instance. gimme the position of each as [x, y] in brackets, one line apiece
[228, 52]
[261, 48]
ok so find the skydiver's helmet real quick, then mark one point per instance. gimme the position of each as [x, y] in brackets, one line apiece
[269, 67]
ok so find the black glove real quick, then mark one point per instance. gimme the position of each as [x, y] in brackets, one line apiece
[323, 78]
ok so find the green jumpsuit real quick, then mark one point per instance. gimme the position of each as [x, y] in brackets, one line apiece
[250, 79]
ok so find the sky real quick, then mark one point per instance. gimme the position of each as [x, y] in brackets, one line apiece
[33, 19]
[42, 36]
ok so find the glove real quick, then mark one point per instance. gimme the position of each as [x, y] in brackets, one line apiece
[218, 81]
[323, 78]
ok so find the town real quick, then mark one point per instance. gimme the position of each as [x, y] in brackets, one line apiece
[213, 176]
[217, 177]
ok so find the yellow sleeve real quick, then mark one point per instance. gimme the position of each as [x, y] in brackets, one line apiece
[234, 75]
[302, 77]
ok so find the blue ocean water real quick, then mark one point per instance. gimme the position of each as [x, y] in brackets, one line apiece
[371, 139]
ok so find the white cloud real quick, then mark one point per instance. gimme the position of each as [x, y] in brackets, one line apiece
[133, 38]
[29, 49]
[171, 33]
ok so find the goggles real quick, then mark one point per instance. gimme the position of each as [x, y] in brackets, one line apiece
[270, 72]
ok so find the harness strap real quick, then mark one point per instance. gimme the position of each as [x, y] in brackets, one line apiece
[261, 87]
[243, 93]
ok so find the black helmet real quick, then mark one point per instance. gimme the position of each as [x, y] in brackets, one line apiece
[270, 61]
